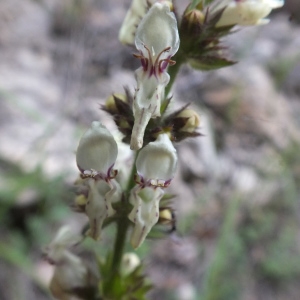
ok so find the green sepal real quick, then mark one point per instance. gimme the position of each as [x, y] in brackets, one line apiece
[207, 63]
[201, 39]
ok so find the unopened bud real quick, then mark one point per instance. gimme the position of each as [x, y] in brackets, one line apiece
[193, 120]
[194, 18]
[110, 103]
[165, 216]
[130, 261]
[80, 203]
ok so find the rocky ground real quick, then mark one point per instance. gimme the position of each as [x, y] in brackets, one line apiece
[238, 185]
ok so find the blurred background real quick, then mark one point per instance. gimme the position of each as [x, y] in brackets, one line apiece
[237, 186]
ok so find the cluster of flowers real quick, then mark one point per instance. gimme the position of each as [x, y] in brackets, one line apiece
[153, 27]
[156, 164]
[157, 40]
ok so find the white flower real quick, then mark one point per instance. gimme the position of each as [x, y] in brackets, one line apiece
[96, 156]
[248, 12]
[156, 165]
[70, 271]
[157, 40]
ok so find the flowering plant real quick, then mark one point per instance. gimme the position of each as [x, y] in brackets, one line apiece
[136, 200]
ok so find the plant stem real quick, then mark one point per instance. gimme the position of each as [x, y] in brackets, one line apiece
[122, 226]
[119, 245]
[173, 71]
[131, 181]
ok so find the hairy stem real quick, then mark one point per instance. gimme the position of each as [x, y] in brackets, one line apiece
[131, 181]
[122, 226]
[173, 71]
[119, 245]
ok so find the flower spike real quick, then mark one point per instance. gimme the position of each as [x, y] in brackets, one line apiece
[157, 162]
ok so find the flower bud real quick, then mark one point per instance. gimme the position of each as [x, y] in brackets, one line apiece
[130, 261]
[166, 223]
[192, 120]
[80, 203]
[193, 18]
[110, 104]
[165, 216]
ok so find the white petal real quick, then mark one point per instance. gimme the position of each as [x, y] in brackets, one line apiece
[146, 105]
[99, 204]
[158, 31]
[149, 89]
[124, 161]
[97, 149]
[158, 160]
[145, 212]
